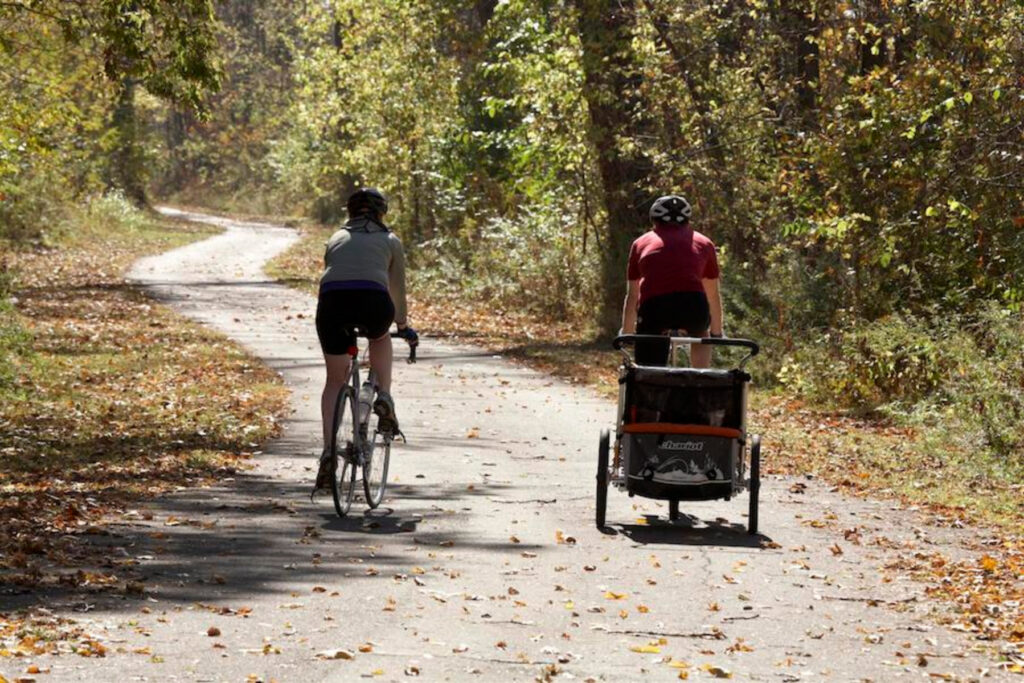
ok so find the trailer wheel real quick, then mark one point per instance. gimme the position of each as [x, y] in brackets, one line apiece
[755, 482]
[602, 478]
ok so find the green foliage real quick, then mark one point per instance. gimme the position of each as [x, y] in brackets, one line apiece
[13, 338]
[894, 362]
[70, 72]
[529, 264]
[112, 210]
[960, 377]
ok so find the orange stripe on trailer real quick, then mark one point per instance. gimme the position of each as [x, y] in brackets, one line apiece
[669, 428]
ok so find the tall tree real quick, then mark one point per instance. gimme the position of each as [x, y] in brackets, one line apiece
[167, 47]
[617, 121]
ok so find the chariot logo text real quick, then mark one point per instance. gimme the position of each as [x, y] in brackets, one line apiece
[683, 445]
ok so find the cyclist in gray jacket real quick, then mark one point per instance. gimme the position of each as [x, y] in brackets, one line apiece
[362, 286]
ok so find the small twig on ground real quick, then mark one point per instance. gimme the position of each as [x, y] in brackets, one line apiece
[710, 635]
[877, 601]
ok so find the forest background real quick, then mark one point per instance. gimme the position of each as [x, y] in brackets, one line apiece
[859, 164]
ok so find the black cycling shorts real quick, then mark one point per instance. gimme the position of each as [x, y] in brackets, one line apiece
[341, 311]
[687, 312]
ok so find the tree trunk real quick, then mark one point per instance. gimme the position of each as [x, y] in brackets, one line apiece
[127, 165]
[612, 78]
[805, 31]
[175, 133]
[873, 50]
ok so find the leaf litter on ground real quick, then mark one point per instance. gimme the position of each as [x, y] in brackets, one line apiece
[115, 400]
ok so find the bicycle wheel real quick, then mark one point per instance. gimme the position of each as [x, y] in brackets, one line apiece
[375, 469]
[343, 440]
[602, 479]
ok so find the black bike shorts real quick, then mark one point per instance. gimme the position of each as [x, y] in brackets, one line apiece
[687, 312]
[340, 313]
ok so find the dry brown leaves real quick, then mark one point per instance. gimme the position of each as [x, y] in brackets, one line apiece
[119, 400]
[44, 634]
[988, 591]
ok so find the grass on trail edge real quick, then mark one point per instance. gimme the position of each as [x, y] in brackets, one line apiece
[111, 399]
[856, 456]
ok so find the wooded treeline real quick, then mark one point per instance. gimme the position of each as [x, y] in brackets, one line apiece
[858, 163]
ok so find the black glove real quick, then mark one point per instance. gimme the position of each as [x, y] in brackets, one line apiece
[409, 335]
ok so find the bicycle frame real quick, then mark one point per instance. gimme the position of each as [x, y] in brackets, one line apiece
[361, 447]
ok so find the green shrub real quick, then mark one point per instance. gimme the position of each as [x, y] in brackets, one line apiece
[31, 206]
[533, 262]
[959, 378]
[13, 338]
[112, 210]
[893, 361]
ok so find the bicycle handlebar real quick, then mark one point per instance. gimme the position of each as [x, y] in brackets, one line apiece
[412, 346]
[748, 344]
[624, 339]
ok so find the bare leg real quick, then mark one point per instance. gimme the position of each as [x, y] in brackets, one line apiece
[700, 354]
[381, 354]
[338, 368]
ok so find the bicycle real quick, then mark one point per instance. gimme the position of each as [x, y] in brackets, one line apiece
[358, 441]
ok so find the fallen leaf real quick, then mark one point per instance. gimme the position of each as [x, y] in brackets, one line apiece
[716, 671]
[334, 654]
[646, 649]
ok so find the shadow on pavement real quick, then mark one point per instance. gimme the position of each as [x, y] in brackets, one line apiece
[689, 531]
[256, 536]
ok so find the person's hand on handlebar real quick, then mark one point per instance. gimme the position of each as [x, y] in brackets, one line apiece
[409, 335]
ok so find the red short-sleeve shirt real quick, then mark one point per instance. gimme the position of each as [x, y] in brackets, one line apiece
[672, 259]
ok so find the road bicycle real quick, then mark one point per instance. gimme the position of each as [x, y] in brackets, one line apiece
[359, 441]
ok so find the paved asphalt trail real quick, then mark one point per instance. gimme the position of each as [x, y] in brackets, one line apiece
[486, 565]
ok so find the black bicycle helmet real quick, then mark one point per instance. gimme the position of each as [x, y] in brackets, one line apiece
[367, 200]
[670, 209]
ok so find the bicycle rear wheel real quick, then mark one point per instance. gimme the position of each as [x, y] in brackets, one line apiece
[375, 469]
[343, 449]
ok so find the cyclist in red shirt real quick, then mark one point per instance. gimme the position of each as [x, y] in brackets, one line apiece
[672, 284]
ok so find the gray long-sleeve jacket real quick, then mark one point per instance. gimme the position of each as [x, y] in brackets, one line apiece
[366, 251]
